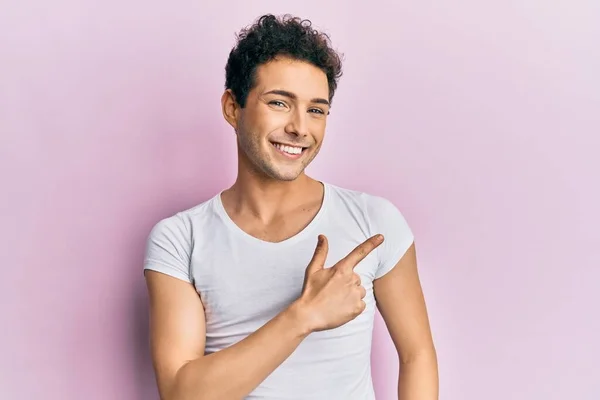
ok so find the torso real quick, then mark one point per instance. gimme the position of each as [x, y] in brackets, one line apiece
[245, 278]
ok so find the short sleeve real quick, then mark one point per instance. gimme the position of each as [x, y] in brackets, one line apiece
[168, 248]
[386, 218]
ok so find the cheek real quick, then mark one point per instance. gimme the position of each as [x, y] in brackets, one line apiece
[266, 122]
[253, 127]
[318, 129]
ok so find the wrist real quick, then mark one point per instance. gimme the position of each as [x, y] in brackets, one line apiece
[298, 316]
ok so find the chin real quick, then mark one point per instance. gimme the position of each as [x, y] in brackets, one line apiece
[286, 177]
[282, 174]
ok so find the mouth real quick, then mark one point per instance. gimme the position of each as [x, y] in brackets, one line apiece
[290, 151]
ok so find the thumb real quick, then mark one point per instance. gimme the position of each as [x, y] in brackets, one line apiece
[318, 260]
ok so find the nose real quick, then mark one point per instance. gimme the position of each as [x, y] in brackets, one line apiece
[297, 125]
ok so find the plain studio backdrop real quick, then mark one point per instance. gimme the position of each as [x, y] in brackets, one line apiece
[480, 120]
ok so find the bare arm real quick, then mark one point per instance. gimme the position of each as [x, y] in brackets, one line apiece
[177, 329]
[401, 303]
[330, 298]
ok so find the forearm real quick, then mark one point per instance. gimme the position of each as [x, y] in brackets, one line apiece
[419, 378]
[234, 372]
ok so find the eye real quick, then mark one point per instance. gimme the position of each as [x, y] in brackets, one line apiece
[316, 111]
[277, 103]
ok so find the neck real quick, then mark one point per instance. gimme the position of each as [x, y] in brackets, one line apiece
[266, 198]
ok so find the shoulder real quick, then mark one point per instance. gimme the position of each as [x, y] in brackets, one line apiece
[374, 207]
[171, 240]
[180, 225]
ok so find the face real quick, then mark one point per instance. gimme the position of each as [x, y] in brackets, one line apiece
[281, 128]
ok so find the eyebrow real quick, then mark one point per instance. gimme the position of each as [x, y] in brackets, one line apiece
[294, 97]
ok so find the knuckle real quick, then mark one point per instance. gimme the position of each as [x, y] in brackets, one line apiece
[367, 247]
[342, 270]
[360, 307]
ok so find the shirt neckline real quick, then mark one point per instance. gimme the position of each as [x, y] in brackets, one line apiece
[307, 230]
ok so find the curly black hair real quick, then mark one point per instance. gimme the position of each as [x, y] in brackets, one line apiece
[271, 36]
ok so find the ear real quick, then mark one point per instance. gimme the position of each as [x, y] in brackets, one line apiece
[230, 108]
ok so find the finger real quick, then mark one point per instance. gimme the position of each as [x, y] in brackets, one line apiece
[320, 255]
[361, 307]
[357, 280]
[361, 251]
[363, 292]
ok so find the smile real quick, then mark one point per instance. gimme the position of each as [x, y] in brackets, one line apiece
[289, 151]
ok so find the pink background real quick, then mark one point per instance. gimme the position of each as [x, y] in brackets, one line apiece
[479, 119]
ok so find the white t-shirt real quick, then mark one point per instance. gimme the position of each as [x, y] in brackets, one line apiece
[244, 282]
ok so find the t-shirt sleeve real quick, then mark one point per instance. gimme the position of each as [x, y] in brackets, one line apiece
[386, 218]
[168, 248]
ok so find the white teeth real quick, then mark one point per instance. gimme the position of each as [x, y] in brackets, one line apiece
[288, 149]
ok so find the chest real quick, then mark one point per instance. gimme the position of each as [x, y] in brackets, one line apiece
[244, 286]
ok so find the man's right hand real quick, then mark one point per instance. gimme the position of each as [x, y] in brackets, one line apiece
[333, 296]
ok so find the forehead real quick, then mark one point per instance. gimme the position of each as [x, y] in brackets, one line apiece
[299, 77]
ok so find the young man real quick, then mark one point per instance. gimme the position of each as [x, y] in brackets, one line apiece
[243, 301]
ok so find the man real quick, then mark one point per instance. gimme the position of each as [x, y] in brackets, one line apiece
[242, 303]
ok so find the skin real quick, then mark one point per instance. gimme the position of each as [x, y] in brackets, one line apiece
[288, 105]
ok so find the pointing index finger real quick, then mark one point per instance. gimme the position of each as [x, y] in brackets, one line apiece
[361, 251]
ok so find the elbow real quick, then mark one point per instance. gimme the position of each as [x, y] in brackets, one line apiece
[186, 386]
[427, 354]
